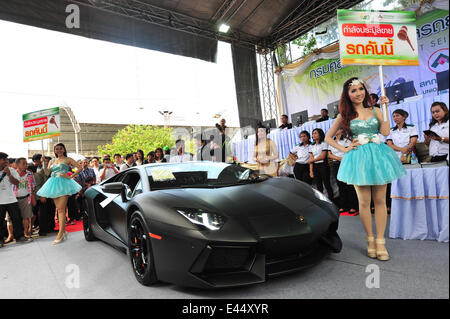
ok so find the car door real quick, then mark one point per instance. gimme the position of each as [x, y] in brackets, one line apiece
[117, 209]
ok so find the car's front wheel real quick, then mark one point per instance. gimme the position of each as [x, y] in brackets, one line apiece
[88, 235]
[140, 250]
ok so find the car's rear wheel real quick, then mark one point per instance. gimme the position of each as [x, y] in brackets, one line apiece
[87, 230]
[140, 249]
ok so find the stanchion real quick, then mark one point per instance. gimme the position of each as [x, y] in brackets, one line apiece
[384, 106]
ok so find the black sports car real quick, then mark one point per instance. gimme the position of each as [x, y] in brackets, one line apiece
[209, 225]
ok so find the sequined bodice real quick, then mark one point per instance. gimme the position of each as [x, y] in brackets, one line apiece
[58, 169]
[369, 126]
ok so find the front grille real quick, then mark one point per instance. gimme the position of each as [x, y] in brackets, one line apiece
[303, 259]
[224, 259]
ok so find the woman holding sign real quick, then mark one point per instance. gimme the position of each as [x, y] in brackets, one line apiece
[368, 164]
[60, 186]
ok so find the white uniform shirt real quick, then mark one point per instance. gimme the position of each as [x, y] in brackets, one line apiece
[109, 173]
[317, 149]
[6, 188]
[439, 148]
[302, 152]
[401, 137]
[344, 142]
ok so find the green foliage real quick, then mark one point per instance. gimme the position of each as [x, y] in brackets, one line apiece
[282, 55]
[400, 4]
[307, 42]
[135, 137]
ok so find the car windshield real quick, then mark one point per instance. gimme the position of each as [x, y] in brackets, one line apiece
[200, 174]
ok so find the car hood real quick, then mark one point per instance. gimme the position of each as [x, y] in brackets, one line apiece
[272, 208]
[271, 197]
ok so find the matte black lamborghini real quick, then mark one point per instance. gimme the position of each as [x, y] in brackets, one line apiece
[209, 225]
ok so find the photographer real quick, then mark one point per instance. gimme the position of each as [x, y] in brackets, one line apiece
[222, 139]
[8, 200]
[108, 170]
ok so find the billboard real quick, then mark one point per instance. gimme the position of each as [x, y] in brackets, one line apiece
[378, 37]
[41, 124]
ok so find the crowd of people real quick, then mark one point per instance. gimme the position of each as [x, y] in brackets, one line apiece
[360, 150]
[34, 199]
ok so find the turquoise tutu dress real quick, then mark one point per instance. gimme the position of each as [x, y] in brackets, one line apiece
[56, 185]
[373, 162]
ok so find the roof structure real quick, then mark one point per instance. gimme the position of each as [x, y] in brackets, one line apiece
[261, 25]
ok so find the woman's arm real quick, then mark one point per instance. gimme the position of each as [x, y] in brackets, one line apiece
[321, 157]
[334, 157]
[332, 132]
[427, 139]
[75, 164]
[274, 151]
[412, 143]
[385, 128]
[46, 169]
[255, 152]
[396, 148]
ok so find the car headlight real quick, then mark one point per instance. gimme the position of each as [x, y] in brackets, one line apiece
[321, 196]
[211, 221]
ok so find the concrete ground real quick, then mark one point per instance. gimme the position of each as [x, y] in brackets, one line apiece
[418, 269]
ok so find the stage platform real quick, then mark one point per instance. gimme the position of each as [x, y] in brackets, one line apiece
[418, 269]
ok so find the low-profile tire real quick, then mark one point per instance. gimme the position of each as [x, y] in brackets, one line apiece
[140, 251]
[87, 229]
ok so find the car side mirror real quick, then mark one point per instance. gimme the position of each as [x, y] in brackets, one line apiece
[113, 188]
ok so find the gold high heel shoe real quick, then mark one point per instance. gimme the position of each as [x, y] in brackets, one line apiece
[382, 254]
[59, 241]
[371, 252]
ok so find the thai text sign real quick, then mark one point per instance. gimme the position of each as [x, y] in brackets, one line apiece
[378, 37]
[41, 125]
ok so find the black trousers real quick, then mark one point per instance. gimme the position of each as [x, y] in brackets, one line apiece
[347, 194]
[301, 172]
[72, 207]
[16, 219]
[321, 177]
[46, 216]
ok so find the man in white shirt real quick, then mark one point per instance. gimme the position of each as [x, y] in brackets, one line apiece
[8, 201]
[181, 156]
[108, 169]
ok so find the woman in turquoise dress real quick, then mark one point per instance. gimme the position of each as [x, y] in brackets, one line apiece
[368, 163]
[60, 186]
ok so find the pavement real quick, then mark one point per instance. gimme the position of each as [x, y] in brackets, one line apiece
[94, 270]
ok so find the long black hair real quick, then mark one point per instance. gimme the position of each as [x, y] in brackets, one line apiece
[142, 155]
[307, 134]
[346, 108]
[321, 135]
[257, 128]
[444, 108]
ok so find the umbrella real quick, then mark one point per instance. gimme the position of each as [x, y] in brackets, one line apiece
[76, 157]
